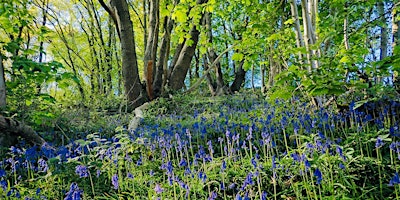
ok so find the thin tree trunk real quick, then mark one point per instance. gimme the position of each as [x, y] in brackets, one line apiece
[384, 36]
[152, 38]
[306, 35]
[145, 14]
[262, 72]
[220, 89]
[130, 73]
[210, 83]
[271, 72]
[240, 76]
[44, 13]
[299, 37]
[395, 26]
[182, 65]
[180, 69]
[2, 85]
[252, 77]
[159, 80]
[309, 32]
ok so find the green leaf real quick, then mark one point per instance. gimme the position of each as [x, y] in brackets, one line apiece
[289, 21]
[345, 59]
[237, 57]
[28, 102]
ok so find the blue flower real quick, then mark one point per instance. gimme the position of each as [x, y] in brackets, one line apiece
[223, 166]
[114, 181]
[74, 192]
[307, 164]
[2, 173]
[212, 196]
[158, 189]
[379, 142]
[395, 180]
[318, 175]
[130, 175]
[183, 163]
[342, 166]
[254, 162]
[264, 195]
[82, 171]
[43, 165]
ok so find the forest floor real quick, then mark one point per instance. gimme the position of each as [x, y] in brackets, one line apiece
[228, 147]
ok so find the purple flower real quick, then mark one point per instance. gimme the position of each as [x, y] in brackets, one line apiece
[379, 142]
[158, 189]
[248, 181]
[139, 161]
[3, 184]
[43, 165]
[212, 196]
[2, 173]
[183, 163]
[98, 172]
[395, 180]
[74, 192]
[114, 181]
[307, 164]
[81, 171]
[264, 195]
[318, 175]
[254, 162]
[223, 166]
[202, 176]
[342, 166]
[129, 175]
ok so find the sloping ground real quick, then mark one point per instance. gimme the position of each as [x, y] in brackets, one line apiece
[220, 148]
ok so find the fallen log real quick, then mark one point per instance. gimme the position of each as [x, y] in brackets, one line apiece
[11, 129]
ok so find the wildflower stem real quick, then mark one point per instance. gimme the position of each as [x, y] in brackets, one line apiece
[91, 183]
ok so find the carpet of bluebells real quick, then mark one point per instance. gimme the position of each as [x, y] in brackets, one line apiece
[225, 149]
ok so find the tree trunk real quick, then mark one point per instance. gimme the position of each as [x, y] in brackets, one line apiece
[221, 88]
[161, 73]
[182, 65]
[240, 76]
[180, 69]
[210, 83]
[395, 26]
[299, 37]
[384, 36]
[11, 129]
[262, 72]
[133, 87]
[2, 85]
[152, 38]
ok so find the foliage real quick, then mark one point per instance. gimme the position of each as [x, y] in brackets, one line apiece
[220, 148]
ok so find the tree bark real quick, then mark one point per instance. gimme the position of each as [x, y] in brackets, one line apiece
[133, 87]
[299, 37]
[220, 85]
[180, 69]
[210, 83]
[2, 84]
[11, 129]
[240, 76]
[395, 26]
[384, 36]
[152, 38]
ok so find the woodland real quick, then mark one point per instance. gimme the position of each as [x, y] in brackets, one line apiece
[199, 99]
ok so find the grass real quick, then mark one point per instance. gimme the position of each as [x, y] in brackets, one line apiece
[220, 148]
